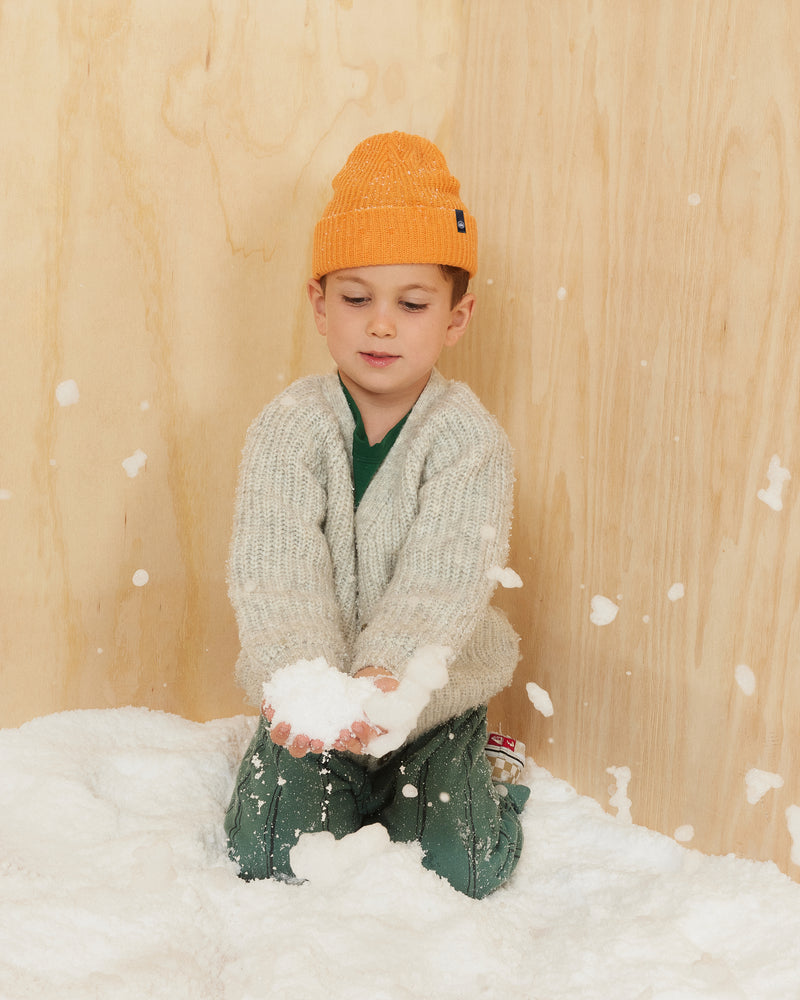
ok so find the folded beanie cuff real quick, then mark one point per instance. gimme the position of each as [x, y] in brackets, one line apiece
[382, 234]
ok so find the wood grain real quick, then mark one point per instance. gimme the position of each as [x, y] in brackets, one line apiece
[634, 170]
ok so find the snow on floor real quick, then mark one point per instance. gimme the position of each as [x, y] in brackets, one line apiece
[114, 883]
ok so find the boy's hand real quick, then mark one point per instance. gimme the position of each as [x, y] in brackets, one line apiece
[280, 735]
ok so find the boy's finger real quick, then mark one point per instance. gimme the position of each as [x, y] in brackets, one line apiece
[350, 742]
[363, 731]
[299, 746]
[280, 734]
[340, 743]
[386, 683]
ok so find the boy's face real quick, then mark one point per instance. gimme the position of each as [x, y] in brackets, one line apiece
[386, 327]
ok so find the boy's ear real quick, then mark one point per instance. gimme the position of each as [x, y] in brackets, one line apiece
[460, 316]
[316, 296]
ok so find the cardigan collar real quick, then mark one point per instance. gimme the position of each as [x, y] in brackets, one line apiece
[433, 391]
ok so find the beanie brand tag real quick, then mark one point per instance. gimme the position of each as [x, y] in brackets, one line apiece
[461, 226]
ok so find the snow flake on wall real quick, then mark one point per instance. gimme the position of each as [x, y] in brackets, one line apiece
[134, 463]
[539, 698]
[676, 592]
[745, 678]
[67, 393]
[604, 610]
[776, 476]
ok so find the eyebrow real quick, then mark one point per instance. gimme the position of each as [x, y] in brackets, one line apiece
[414, 286]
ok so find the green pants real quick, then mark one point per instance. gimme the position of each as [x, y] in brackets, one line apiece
[436, 790]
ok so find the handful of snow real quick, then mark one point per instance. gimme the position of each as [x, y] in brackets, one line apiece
[319, 701]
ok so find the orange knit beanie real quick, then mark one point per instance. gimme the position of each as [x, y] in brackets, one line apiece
[395, 202]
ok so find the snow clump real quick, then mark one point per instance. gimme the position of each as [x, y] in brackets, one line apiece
[619, 795]
[759, 783]
[777, 476]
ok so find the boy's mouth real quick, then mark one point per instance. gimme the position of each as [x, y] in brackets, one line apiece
[378, 359]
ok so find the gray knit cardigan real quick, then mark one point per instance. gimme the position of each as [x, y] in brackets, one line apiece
[310, 577]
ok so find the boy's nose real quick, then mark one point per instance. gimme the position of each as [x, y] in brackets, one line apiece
[381, 325]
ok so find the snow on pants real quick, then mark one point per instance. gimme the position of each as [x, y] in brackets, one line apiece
[436, 790]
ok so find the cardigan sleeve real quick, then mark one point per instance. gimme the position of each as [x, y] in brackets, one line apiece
[280, 571]
[441, 584]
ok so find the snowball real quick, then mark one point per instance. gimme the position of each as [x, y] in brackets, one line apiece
[759, 783]
[409, 791]
[134, 462]
[684, 833]
[604, 610]
[619, 796]
[5, 494]
[505, 577]
[140, 577]
[777, 476]
[561, 294]
[694, 199]
[67, 393]
[539, 698]
[325, 861]
[745, 678]
[676, 592]
[316, 700]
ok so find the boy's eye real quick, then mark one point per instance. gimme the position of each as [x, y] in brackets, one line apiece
[414, 306]
[354, 300]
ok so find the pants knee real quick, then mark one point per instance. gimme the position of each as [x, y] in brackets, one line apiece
[477, 865]
[276, 798]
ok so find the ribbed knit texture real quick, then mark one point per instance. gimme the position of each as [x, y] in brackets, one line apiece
[434, 519]
[395, 202]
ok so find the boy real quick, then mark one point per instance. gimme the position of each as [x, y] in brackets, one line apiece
[371, 506]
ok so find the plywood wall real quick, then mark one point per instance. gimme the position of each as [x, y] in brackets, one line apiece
[635, 172]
